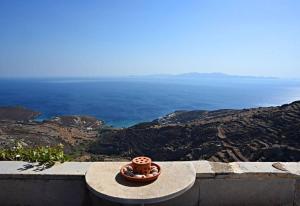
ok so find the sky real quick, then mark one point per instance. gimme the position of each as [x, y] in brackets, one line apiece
[70, 38]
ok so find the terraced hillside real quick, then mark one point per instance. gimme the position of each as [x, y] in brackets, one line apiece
[260, 134]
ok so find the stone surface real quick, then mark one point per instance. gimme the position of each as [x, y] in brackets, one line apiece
[21, 169]
[238, 192]
[292, 167]
[104, 181]
[203, 169]
[221, 168]
[256, 169]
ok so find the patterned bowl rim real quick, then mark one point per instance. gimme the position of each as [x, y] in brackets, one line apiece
[145, 179]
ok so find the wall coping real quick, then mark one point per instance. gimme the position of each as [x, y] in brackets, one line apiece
[19, 169]
[204, 169]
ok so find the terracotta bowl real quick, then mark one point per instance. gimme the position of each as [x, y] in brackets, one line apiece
[144, 179]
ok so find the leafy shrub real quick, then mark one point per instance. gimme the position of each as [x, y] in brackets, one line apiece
[44, 155]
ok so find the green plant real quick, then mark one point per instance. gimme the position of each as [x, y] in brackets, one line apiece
[44, 155]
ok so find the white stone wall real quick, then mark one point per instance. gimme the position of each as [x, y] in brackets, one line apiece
[240, 183]
[24, 184]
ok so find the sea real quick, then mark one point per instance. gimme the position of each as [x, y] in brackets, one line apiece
[125, 101]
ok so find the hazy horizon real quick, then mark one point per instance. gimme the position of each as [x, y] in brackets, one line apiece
[123, 38]
[154, 75]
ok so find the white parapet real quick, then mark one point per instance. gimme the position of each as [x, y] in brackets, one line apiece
[237, 183]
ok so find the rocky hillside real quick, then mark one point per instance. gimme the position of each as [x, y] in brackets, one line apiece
[74, 132]
[259, 134]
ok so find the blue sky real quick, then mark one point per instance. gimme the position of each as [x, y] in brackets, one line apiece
[107, 38]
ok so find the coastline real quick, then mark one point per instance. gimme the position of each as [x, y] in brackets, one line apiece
[254, 134]
[124, 124]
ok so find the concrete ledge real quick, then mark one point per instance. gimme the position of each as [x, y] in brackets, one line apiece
[19, 169]
[237, 183]
[206, 169]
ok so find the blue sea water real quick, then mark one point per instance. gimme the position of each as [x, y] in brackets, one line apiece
[122, 102]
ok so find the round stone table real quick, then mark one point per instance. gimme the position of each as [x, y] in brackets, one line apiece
[104, 180]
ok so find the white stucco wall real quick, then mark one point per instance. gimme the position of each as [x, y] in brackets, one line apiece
[245, 183]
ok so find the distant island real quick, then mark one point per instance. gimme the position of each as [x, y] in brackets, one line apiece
[257, 134]
[197, 75]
